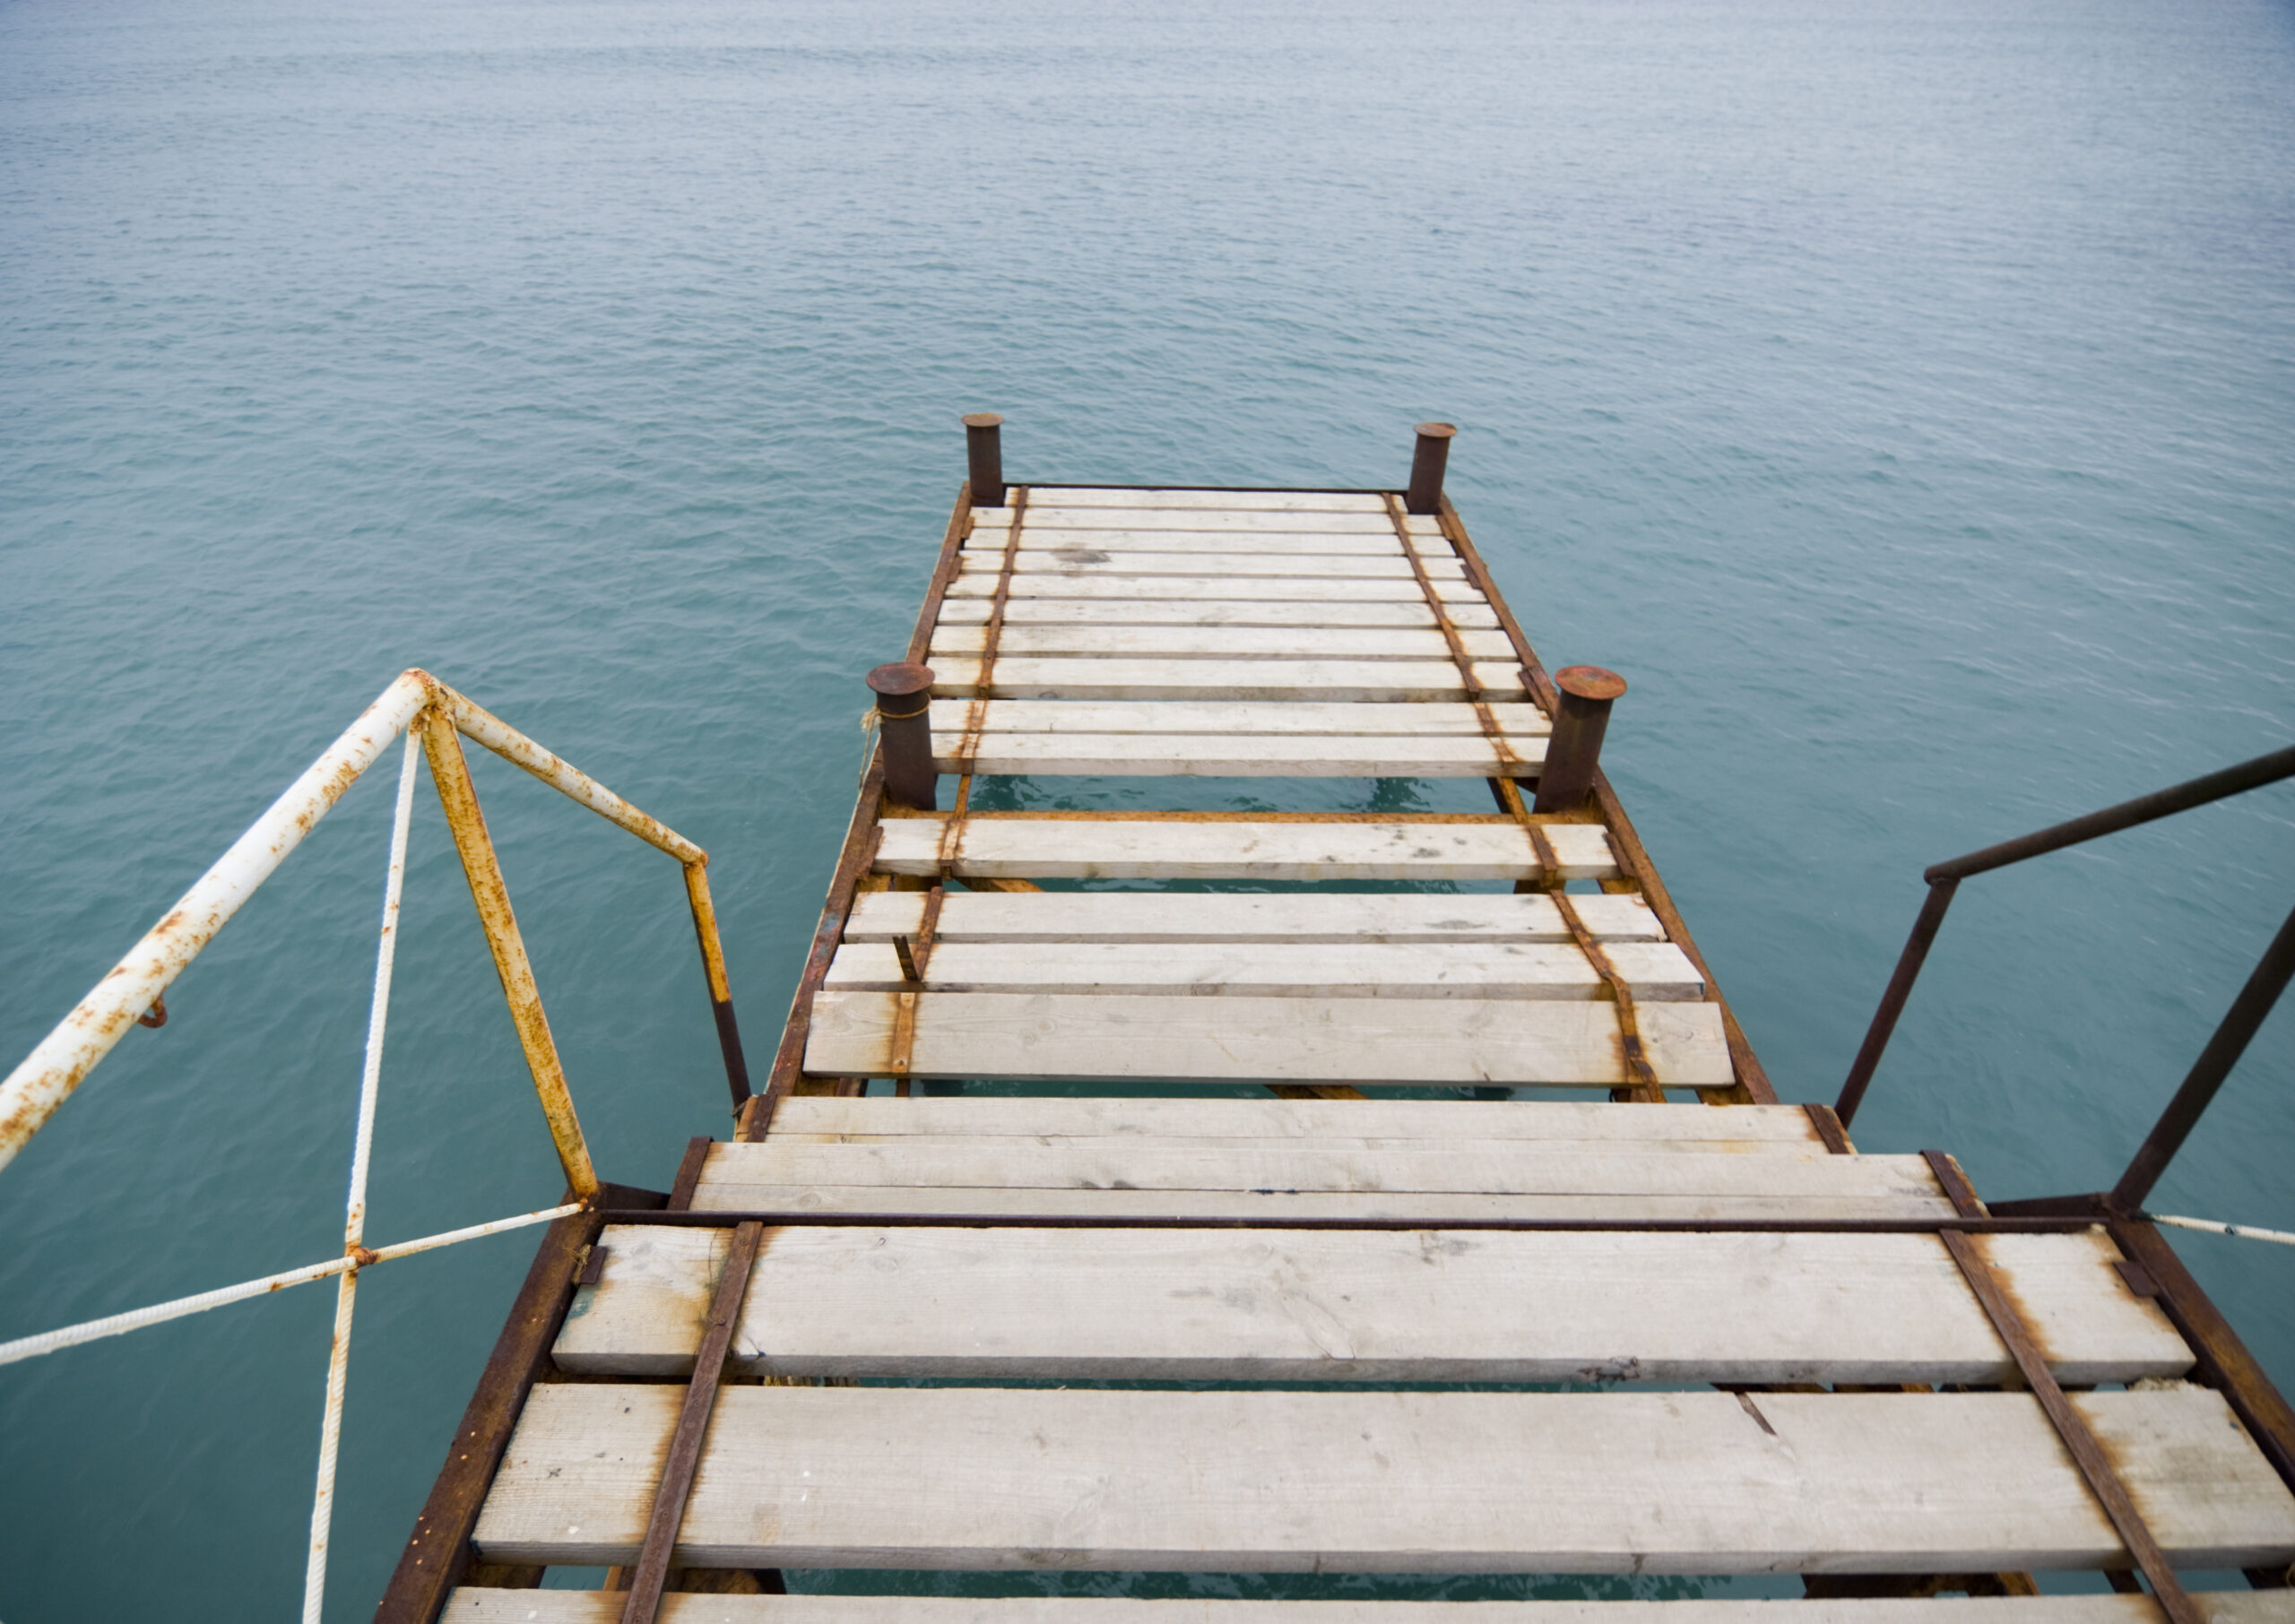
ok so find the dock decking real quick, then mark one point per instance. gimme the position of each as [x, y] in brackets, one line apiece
[1913, 1395]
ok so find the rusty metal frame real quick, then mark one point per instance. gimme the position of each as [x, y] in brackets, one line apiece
[439, 1557]
[1753, 1086]
[2087, 1452]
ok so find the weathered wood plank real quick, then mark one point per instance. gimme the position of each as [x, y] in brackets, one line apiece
[1215, 642]
[1341, 681]
[1231, 917]
[1430, 720]
[1028, 848]
[1080, 563]
[1420, 1210]
[1515, 1041]
[1520, 1167]
[1395, 970]
[1243, 522]
[474, 1606]
[1412, 1481]
[1236, 755]
[1239, 501]
[1153, 611]
[1137, 1116]
[1033, 538]
[1277, 589]
[1110, 1305]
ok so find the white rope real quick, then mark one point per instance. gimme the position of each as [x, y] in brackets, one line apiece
[2241, 1231]
[354, 1215]
[870, 717]
[135, 1319]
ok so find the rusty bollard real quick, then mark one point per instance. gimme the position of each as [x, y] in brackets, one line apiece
[1575, 749]
[1426, 464]
[904, 695]
[984, 449]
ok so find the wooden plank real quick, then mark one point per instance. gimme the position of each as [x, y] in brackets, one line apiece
[474, 1606]
[1236, 755]
[1241, 522]
[1059, 1116]
[1508, 1042]
[1167, 916]
[1296, 720]
[1520, 1167]
[1152, 611]
[1277, 589]
[1214, 643]
[1035, 540]
[1056, 848]
[1070, 563]
[1408, 1481]
[1328, 681]
[1395, 970]
[1284, 1209]
[1239, 501]
[1372, 1306]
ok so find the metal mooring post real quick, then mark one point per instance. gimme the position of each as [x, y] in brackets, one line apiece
[983, 447]
[1426, 464]
[1575, 749]
[904, 694]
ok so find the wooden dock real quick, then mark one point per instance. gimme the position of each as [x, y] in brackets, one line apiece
[1232, 1272]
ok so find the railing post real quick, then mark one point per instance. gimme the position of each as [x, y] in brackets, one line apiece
[451, 772]
[984, 450]
[2208, 1071]
[1426, 464]
[721, 989]
[1574, 750]
[1884, 1018]
[904, 695]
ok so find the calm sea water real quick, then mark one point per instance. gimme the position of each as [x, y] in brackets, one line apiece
[1898, 393]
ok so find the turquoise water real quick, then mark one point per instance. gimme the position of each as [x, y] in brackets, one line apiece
[1899, 395]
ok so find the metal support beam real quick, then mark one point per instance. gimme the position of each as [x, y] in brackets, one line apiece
[451, 772]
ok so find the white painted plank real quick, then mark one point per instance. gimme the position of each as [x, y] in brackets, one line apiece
[1520, 1167]
[1410, 1482]
[1239, 501]
[1074, 563]
[1417, 1210]
[1286, 1304]
[1190, 588]
[1180, 916]
[1236, 755]
[1514, 1042]
[1330, 681]
[1053, 1117]
[484, 1606]
[1154, 611]
[1082, 848]
[1215, 642]
[991, 543]
[952, 716]
[1412, 970]
[1054, 515]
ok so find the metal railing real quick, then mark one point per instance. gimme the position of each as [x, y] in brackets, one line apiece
[2231, 1036]
[435, 719]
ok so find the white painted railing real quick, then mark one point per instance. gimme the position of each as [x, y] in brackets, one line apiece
[434, 718]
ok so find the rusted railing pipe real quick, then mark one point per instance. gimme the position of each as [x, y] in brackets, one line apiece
[571, 781]
[451, 772]
[721, 990]
[48, 1076]
[1943, 878]
[354, 1207]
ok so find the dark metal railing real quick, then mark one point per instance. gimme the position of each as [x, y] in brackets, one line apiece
[2232, 1037]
